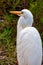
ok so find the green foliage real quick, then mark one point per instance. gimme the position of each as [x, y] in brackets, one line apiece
[41, 20]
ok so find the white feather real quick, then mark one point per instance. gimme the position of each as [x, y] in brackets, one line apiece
[29, 45]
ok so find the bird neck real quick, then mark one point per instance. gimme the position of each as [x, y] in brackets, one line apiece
[19, 29]
[23, 23]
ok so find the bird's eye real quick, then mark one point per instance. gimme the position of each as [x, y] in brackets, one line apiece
[22, 12]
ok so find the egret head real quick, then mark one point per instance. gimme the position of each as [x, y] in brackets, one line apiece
[26, 13]
[26, 17]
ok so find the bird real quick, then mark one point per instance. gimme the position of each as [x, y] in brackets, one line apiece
[29, 43]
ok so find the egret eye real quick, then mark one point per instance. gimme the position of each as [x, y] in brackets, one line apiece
[22, 12]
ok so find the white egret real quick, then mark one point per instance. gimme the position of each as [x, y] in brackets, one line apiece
[29, 45]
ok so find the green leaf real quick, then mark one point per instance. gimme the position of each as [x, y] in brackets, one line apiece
[41, 19]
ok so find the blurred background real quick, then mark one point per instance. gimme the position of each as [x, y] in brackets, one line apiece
[8, 26]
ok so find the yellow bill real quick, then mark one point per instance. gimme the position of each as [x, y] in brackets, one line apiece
[15, 12]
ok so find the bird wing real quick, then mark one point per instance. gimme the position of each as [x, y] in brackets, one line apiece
[29, 47]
